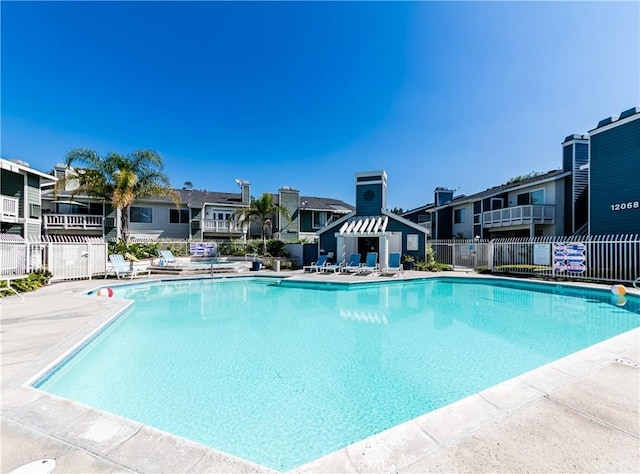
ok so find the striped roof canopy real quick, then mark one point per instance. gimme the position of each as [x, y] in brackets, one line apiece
[364, 226]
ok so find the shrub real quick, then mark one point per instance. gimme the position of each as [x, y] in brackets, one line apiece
[276, 248]
[521, 268]
[233, 248]
[36, 279]
[137, 249]
[431, 267]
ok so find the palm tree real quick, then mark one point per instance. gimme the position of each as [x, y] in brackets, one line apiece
[262, 209]
[121, 179]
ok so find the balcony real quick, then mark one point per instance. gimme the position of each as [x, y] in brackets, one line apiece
[72, 222]
[519, 215]
[221, 226]
[8, 209]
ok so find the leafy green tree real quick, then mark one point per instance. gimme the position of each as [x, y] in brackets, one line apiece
[262, 210]
[120, 179]
[523, 177]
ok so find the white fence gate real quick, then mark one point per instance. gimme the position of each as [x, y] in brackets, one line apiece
[610, 258]
[65, 259]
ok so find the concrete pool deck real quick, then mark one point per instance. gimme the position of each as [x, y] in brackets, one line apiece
[577, 414]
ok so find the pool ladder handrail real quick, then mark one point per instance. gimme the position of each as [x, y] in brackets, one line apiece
[636, 283]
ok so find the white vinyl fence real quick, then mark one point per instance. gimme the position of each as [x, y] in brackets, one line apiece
[66, 259]
[609, 258]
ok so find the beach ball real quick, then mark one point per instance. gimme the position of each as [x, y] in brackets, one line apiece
[108, 292]
[618, 290]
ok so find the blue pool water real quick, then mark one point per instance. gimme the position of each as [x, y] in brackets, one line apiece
[280, 373]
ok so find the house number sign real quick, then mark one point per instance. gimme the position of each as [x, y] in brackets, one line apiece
[624, 206]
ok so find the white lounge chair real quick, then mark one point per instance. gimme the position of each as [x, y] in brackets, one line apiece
[333, 267]
[394, 266]
[317, 266]
[371, 265]
[122, 268]
[353, 265]
[8, 279]
[167, 258]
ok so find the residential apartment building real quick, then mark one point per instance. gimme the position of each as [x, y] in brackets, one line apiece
[596, 191]
[20, 198]
[307, 214]
[201, 216]
[614, 175]
[527, 208]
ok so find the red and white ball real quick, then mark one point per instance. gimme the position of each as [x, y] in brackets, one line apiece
[106, 292]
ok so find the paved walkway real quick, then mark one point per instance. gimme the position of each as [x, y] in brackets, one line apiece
[578, 414]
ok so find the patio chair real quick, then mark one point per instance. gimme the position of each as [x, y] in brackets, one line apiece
[371, 265]
[167, 258]
[122, 268]
[8, 279]
[333, 267]
[318, 265]
[353, 265]
[394, 266]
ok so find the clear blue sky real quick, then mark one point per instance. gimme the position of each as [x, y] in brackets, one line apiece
[302, 94]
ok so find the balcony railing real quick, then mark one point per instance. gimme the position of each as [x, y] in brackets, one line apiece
[72, 222]
[518, 215]
[9, 209]
[220, 225]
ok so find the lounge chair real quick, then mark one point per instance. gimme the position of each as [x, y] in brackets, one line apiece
[122, 268]
[394, 266]
[167, 258]
[333, 267]
[353, 265]
[371, 265]
[318, 265]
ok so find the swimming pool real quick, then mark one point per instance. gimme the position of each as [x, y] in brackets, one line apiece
[281, 373]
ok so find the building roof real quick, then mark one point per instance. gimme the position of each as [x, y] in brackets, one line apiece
[18, 165]
[195, 198]
[553, 174]
[509, 186]
[353, 225]
[315, 203]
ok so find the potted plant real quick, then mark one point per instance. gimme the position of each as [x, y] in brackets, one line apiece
[408, 261]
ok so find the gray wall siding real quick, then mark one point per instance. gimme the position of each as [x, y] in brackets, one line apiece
[111, 223]
[614, 180]
[13, 186]
[289, 229]
[196, 216]
[33, 197]
[32, 229]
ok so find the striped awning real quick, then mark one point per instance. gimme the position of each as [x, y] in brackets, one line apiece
[361, 226]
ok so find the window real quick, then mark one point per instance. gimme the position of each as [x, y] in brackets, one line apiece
[533, 197]
[537, 197]
[459, 216]
[143, 215]
[496, 203]
[319, 219]
[179, 216]
[35, 211]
